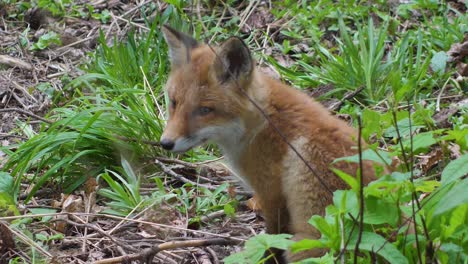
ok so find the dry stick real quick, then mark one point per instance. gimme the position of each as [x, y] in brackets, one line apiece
[130, 22]
[23, 90]
[7, 218]
[213, 254]
[337, 105]
[187, 164]
[200, 17]
[25, 112]
[148, 254]
[361, 192]
[181, 178]
[247, 13]
[98, 230]
[27, 240]
[219, 21]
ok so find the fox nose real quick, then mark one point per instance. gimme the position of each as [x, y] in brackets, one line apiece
[167, 144]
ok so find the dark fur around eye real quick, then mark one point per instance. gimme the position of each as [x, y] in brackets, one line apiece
[204, 110]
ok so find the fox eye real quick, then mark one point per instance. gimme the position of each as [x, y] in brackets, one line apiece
[204, 110]
[173, 103]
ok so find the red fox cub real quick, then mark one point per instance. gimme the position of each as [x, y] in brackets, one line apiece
[209, 90]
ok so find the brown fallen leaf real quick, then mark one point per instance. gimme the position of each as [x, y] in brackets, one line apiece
[457, 53]
[462, 68]
[254, 204]
[162, 214]
[260, 18]
[455, 152]
[441, 118]
[69, 204]
[428, 161]
[14, 62]
[6, 241]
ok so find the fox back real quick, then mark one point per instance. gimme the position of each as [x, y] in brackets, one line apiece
[216, 94]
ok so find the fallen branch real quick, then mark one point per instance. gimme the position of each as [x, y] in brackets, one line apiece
[25, 112]
[14, 62]
[147, 255]
[336, 106]
[98, 230]
[181, 178]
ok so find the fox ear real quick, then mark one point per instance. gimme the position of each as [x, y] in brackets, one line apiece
[180, 45]
[233, 61]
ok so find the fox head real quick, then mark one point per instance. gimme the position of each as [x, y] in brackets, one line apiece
[204, 89]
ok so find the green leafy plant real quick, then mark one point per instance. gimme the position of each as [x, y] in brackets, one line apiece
[202, 201]
[125, 192]
[256, 247]
[46, 41]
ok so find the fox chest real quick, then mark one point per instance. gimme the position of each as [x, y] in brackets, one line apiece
[258, 164]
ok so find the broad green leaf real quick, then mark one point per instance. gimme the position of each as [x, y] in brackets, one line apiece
[371, 123]
[6, 183]
[439, 62]
[350, 180]
[458, 219]
[368, 154]
[425, 186]
[376, 243]
[380, 211]
[403, 128]
[7, 205]
[324, 227]
[457, 196]
[41, 237]
[42, 211]
[347, 202]
[306, 244]
[256, 246]
[455, 170]
[421, 142]
[229, 210]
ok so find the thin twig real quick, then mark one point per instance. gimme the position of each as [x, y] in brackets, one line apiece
[336, 106]
[219, 22]
[213, 254]
[7, 218]
[98, 230]
[25, 112]
[181, 178]
[200, 17]
[361, 191]
[148, 254]
[275, 128]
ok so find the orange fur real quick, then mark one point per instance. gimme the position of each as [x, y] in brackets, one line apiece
[289, 194]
